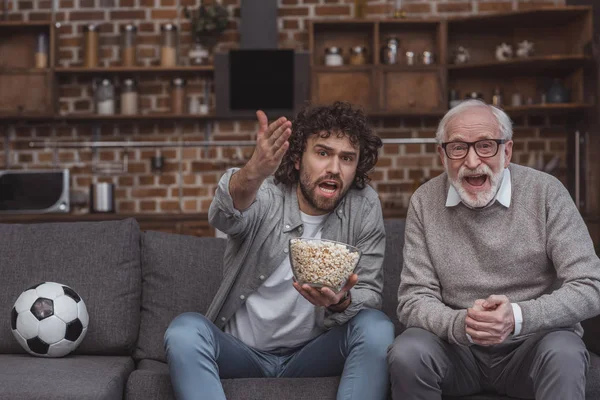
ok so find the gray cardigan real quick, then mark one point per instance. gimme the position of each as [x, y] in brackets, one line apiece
[258, 242]
[537, 252]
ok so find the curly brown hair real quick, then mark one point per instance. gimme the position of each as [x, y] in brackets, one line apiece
[340, 119]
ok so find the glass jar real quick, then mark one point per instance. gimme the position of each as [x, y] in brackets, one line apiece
[41, 51]
[358, 55]
[128, 45]
[104, 96]
[168, 50]
[333, 57]
[91, 36]
[129, 97]
[427, 58]
[177, 95]
[389, 52]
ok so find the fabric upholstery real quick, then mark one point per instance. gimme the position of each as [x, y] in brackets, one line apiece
[151, 381]
[179, 274]
[99, 260]
[392, 266]
[25, 377]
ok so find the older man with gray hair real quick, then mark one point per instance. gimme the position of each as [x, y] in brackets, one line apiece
[499, 271]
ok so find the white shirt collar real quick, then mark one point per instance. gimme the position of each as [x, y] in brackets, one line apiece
[503, 195]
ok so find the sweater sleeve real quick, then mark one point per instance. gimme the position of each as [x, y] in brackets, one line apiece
[571, 251]
[419, 295]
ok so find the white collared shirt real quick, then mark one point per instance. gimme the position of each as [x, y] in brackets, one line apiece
[503, 197]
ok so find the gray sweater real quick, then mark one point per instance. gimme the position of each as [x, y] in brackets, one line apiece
[537, 252]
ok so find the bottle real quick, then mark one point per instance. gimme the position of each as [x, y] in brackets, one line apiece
[41, 51]
[168, 50]
[128, 51]
[105, 97]
[360, 8]
[129, 98]
[177, 95]
[90, 33]
[497, 97]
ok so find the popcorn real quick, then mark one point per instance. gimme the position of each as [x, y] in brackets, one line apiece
[322, 263]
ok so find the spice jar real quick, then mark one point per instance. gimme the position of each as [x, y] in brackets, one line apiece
[91, 35]
[129, 98]
[168, 50]
[389, 52]
[128, 51]
[358, 55]
[333, 56]
[427, 58]
[177, 95]
[41, 51]
[105, 97]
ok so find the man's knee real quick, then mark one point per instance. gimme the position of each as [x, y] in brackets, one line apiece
[563, 350]
[186, 328]
[373, 328]
[410, 349]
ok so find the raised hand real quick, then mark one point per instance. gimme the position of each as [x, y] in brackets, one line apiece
[490, 320]
[271, 145]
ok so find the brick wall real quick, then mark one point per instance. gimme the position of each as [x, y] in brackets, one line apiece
[189, 178]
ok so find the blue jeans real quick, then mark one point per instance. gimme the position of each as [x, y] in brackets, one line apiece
[199, 355]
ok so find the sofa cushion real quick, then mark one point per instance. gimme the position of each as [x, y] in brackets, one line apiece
[179, 274]
[24, 377]
[392, 266]
[99, 260]
[151, 381]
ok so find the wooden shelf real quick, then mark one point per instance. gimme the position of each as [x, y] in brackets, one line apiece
[529, 18]
[409, 112]
[25, 71]
[23, 24]
[134, 70]
[554, 63]
[343, 68]
[133, 118]
[410, 68]
[548, 108]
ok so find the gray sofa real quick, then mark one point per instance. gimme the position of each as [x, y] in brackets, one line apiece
[134, 284]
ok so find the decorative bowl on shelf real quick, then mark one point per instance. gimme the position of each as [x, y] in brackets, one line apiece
[322, 262]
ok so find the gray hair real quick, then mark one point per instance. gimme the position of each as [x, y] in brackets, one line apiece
[504, 122]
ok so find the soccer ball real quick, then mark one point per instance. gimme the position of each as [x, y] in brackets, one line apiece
[49, 320]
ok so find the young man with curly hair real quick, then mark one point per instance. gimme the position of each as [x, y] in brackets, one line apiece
[262, 323]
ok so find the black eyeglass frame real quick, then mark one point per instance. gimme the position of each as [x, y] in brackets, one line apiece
[469, 144]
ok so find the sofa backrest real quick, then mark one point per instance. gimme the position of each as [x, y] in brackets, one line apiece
[392, 267]
[179, 274]
[99, 260]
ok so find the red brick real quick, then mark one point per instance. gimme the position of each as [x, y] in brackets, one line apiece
[454, 7]
[86, 16]
[293, 11]
[332, 10]
[163, 14]
[149, 192]
[496, 6]
[169, 205]
[127, 15]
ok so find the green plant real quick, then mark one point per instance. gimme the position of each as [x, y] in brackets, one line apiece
[208, 22]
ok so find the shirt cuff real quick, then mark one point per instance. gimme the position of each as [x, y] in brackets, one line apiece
[470, 338]
[518, 314]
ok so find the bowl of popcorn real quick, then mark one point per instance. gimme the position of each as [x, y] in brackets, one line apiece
[322, 262]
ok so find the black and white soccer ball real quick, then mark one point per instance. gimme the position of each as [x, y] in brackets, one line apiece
[49, 320]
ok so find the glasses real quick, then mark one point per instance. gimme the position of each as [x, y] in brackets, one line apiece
[485, 148]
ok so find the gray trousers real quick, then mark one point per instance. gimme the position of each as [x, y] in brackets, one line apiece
[549, 365]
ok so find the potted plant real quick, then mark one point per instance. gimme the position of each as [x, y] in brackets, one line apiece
[208, 22]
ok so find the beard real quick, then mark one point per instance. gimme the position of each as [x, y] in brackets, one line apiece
[477, 199]
[320, 203]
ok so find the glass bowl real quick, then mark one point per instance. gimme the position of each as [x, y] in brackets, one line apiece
[322, 262]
